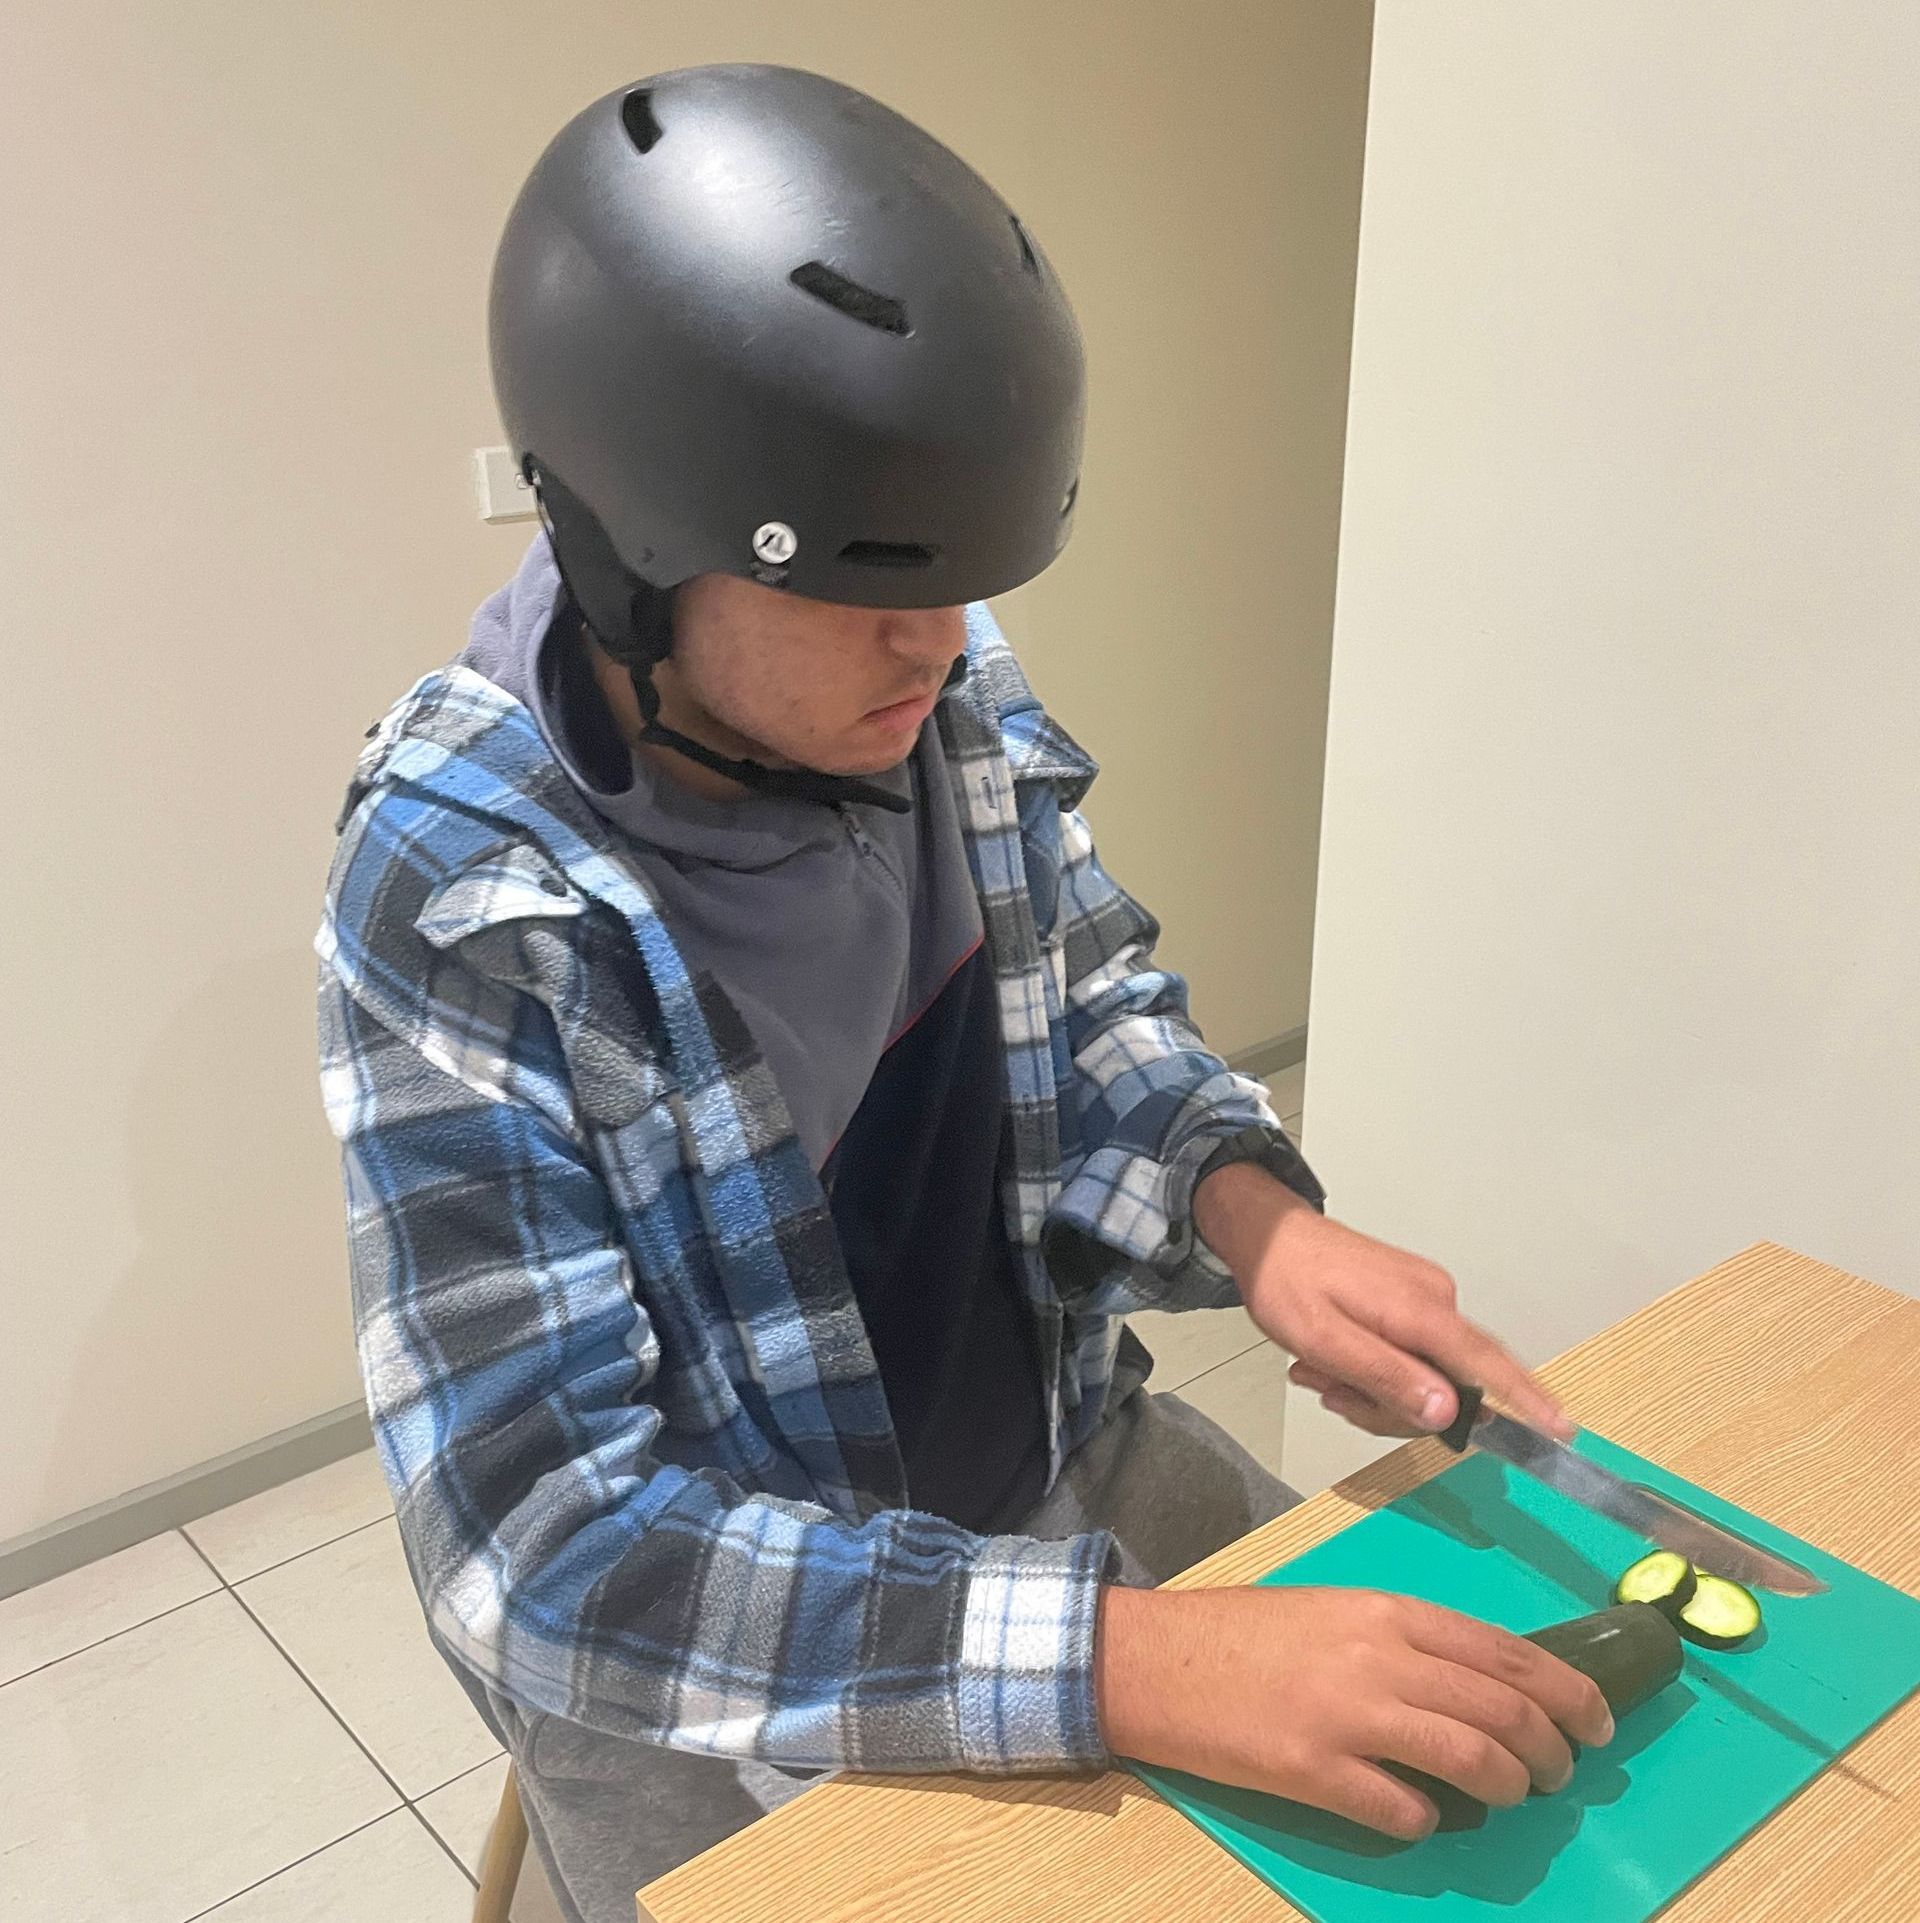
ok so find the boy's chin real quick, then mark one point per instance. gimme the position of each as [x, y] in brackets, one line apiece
[862, 764]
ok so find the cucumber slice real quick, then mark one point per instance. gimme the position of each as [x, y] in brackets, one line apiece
[1665, 1579]
[1721, 1615]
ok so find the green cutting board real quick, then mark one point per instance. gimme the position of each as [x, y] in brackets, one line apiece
[1686, 1776]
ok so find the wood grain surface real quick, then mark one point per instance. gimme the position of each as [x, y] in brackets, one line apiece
[1779, 1383]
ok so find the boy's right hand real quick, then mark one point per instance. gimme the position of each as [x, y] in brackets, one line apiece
[1305, 1692]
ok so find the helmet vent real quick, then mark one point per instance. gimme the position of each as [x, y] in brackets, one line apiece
[888, 554]
[1028, 258]
[1073, 494]
[859, 303]
[636, 115]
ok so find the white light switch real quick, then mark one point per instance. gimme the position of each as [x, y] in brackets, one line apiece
[500, 488]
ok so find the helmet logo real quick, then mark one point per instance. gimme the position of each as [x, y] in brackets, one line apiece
[774, 546]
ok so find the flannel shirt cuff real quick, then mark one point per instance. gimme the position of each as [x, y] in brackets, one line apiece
[1025, 1695]
[1186, 1247]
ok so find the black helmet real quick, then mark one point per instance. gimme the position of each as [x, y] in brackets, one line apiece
[745, 319]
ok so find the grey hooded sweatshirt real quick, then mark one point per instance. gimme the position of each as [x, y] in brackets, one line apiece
[831, 928]
[850, 940]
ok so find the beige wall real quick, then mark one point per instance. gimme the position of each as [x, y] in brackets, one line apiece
[242, 367]
[1619, 932]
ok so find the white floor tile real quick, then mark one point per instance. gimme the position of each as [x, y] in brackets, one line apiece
[1248, 1398]
[1287, 1090]
[1186, 1345]
[391, 1872]
[87, 1605]
[298, 1516]
[159, 1773]
[462, 1813]
[348, 1615]
[1322, 1448]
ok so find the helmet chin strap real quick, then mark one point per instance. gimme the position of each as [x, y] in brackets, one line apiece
[632, 620]
[790, 784]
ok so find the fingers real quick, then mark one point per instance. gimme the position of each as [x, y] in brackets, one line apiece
[1368, 1416]
[1498, 1371]
[1349, 1357]
[1571, 1700]
[1510, 1716]
[1350, 1405]
[1364, 1793]
[1459, 1754]
[1474, 1356]
[1468, 1354]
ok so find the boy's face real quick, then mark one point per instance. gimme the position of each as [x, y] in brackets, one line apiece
[811, 684]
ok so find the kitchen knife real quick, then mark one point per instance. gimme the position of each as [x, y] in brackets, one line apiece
[1706, 1545]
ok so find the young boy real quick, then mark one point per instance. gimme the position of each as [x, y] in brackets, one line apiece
[759, 1107]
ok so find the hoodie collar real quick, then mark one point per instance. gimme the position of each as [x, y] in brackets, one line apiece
[456, 712]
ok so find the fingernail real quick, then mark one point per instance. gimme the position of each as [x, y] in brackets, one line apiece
[1606, 1735]
[1434, 1411]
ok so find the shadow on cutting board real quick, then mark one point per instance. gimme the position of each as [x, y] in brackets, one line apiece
[1528, 1542]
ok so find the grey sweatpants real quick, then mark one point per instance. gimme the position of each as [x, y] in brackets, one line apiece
[608, 1815]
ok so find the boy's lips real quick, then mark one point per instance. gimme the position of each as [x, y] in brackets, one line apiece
[918, 706]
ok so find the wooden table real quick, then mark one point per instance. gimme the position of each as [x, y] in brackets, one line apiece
[1782, 1384]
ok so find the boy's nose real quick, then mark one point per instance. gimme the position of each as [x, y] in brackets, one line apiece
[929, 638]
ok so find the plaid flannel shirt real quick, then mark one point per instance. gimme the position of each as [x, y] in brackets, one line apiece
[620, 1385]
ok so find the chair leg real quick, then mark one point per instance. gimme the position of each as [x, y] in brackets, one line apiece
[506, 1850]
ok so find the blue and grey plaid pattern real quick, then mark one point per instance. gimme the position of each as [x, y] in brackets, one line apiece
[621, 1388]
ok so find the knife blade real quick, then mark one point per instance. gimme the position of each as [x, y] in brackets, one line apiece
[1705, 1544]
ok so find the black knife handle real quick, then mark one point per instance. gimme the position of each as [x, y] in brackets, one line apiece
[1455, 1435]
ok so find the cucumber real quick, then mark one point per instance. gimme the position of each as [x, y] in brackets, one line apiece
[1721, 1615]
[1631, 1650]
[1665, 1579]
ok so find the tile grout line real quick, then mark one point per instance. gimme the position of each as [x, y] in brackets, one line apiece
[428, 1820]
[312, 1549]
[357, 1830]
[406, 1802]
[173, 1609]
[1225, 1362]
[1186, 1381]
[100, 1642]
[426, 1823]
